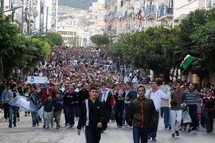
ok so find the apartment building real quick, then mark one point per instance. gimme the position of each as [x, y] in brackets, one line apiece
[126, 16]
[33, 16]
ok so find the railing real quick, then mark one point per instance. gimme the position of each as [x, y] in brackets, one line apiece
[164, 11]
[110, 16]
[150, 10]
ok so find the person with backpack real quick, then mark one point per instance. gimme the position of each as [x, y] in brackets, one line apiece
[92, 116]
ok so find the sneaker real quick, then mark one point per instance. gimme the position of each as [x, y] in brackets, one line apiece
[72, 125]
[177, 133]
[208, 132]
[67, 126]
[166, 127]
[58, 127]
[10, 126]
[194, 132]
[173, 135]
[18, 119]
[154, 139]
[14, 125]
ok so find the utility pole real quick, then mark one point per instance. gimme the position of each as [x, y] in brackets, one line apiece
[29, 19]
[47, 11]
[2, 6]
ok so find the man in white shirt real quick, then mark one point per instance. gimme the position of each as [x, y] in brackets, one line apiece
[156, 95]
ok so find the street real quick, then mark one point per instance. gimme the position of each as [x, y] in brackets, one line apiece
[25, 133]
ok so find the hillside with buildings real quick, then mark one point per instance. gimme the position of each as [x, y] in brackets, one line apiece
[83, 4]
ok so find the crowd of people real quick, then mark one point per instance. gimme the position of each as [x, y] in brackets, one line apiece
[85, 83]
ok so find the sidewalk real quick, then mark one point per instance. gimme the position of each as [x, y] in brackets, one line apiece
[1, 116]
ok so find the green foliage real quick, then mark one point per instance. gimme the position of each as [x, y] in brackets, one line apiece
[18, 51]
[54, 38]
[99, 40]
[154, 48]
[197, 38]
[204, 39]
[83, 4]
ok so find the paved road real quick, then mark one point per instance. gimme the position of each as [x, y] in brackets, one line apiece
[24, 133]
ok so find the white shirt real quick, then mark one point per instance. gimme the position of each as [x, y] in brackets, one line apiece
[156, 97]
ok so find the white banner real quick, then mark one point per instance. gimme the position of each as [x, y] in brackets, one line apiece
[26, 105]
[37, 79]
[23, 103]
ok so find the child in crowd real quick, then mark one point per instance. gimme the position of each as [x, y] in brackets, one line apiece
[57, 108]
[48, 114]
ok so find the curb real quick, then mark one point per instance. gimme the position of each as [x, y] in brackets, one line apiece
[1, 119]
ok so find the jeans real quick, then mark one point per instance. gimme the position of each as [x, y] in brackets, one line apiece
[35, 118]
[140, 134]
[92, 135]
[12, 115]
[166, 112]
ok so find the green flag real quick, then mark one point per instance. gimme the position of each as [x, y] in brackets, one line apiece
[187, 61]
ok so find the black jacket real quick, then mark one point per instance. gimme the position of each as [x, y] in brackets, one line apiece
[96, 114]
[70, 99]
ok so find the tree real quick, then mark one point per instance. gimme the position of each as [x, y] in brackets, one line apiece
[8, 40]
[204, 39]
[18, 51]
[196, 39]
[99, 40]
[153, 48]
[53, 38]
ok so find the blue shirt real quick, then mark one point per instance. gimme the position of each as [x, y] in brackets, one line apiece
[4, 96]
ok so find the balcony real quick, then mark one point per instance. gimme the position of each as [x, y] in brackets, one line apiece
[110, 16]
[165, 13]
[150, 12]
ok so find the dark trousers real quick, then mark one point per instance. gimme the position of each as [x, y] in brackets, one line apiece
[92, 135]
[18, 116]
[70, 114]
[6, 110]
[119, 115]
[140, 134]
[203, 117]
[126, 106]
[209, 120]
[153, 134]
[193, 115]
